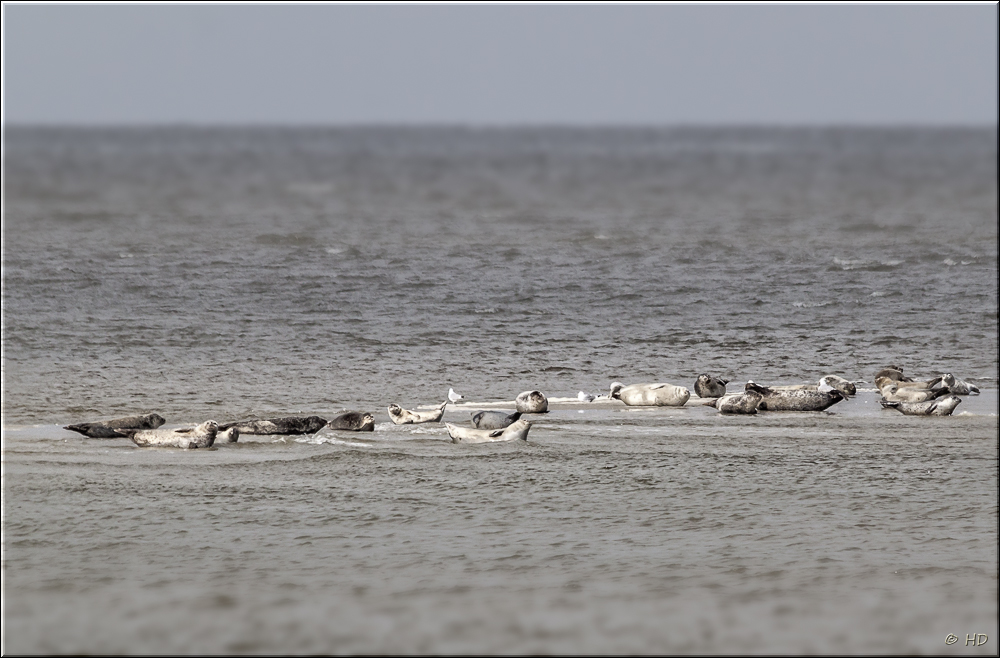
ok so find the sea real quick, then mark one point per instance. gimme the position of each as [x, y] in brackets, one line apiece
[262, 272]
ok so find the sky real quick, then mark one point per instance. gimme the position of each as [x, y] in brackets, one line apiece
[508, 64]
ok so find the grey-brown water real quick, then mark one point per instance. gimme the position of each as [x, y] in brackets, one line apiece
[228, 274]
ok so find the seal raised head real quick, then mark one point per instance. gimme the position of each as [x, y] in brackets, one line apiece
[650, 395]
[707, 386]
[517, 431]
[356, 421]
[290, 425]
[108, 429]
[531, 402]
[401, 416]
[958, 386]
[494, 420]
[201, 436]
[940, 407]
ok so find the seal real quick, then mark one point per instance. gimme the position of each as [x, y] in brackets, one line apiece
[800, 400]
[893, 372]
[707, 386]
[517, 431]
[202, 436]
[737, 403]
[355, 421]
[893, 393]
[839, 383]
[494, 420]
[232, 435]
[531, 402]
[290, 425]
[958, 386]
[108, 429]
[882, 382]
[939, 407]
[401, 416]
[650, 395]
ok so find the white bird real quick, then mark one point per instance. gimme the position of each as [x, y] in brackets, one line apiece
[453, 396]
[585, 397]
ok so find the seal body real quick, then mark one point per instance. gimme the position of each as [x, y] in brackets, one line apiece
[202, 436]
[231, 435]
[738, 403]
[893, 373]
[833, 381]
[893, 393]
[957, 386]
[707, 386]
[941, 407]
[531, 402]
[494, 420]
[650, 395]
[401, 416]
[800, 400]
[517, 431]
[108, 429]
[291, 425]
[355, 421]
[882, 382]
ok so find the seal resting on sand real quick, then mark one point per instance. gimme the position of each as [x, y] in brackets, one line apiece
[202, 436]
[940, 407]
[801, 400]
[108, 429]
[517, 431]
[707, 386]
[494, 420]
[531, 402]
[232, 435]
[650, 395]
[401, 416]
[957, 386]
[290, 425]
[738, 403]
[356, 421]
[893, 393]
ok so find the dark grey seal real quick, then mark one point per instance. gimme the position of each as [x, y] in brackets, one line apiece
[494, 420]
[939, 407]
[739, 403]
[107, 429]
[531, 402]
[958, 386]
[290, 425]
[355, 421]
[799, 400]
[707, 386]
[894, 373]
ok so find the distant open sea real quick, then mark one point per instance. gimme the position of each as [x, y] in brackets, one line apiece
[251, 273]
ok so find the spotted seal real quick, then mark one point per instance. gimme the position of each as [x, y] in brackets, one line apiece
[737, 403]
[356, 421]
[290, 425]
[494, 420]
[517, 431]
[801, 400]
[650, 395]
[108, 429]
[940, 407]
[201, 436]
[531, 402]
[400, 416]
[958, 386]
[893, 393]
[231, 435]
[707, 386]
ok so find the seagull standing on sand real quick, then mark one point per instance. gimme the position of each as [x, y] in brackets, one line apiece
[453, 396]
[585, 397]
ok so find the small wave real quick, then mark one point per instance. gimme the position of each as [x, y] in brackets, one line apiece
[126, 255]
[601, 236]
[319, 440]
[810, 304]
[335, 250]
[490, 309]
[878, 293]
[857, 264]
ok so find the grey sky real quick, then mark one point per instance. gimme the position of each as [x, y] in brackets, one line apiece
[501, 64]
